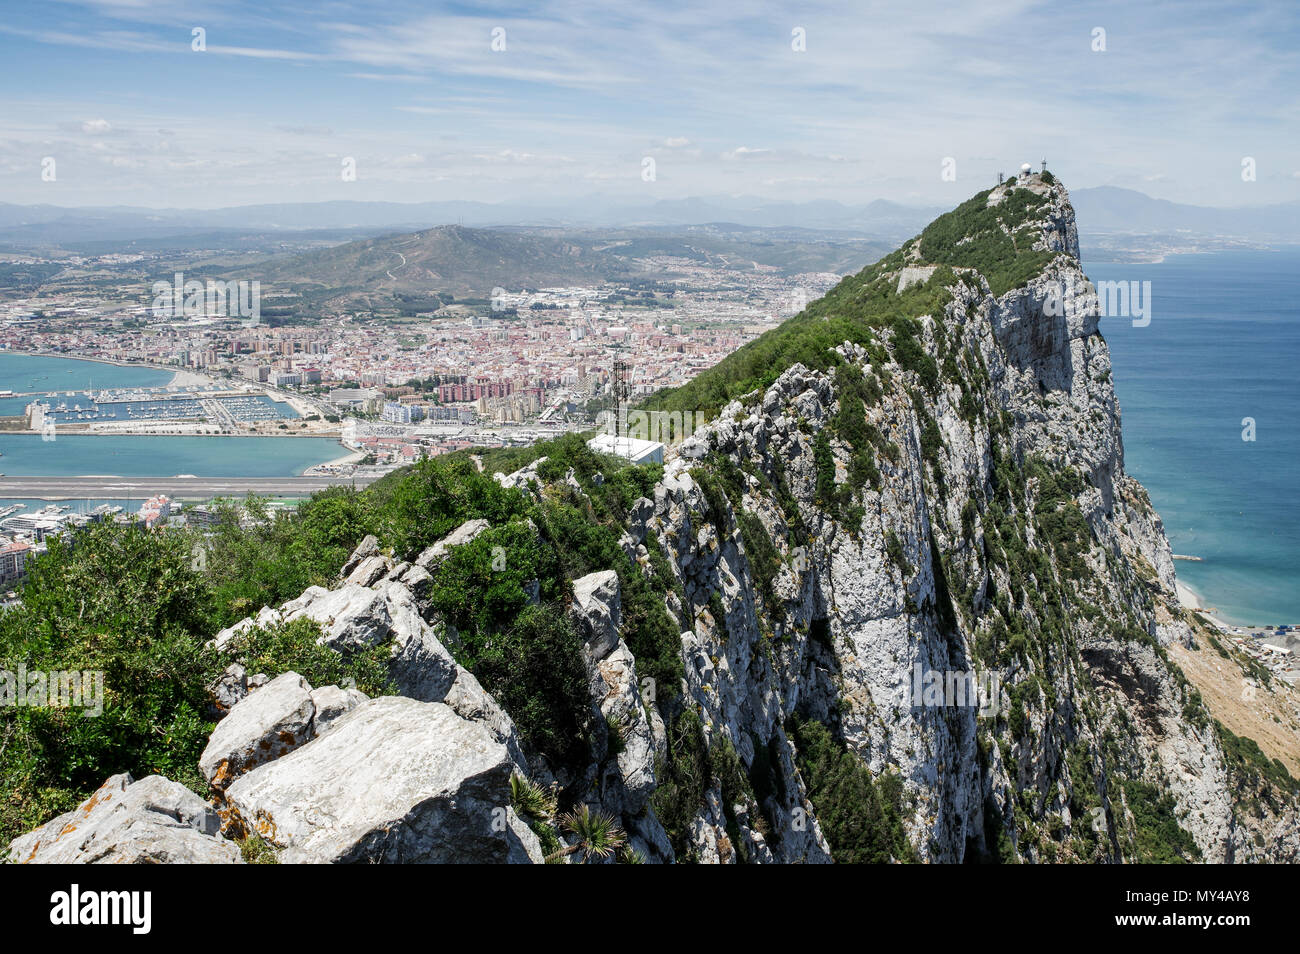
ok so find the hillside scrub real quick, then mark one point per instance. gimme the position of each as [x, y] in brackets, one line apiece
[141, 606]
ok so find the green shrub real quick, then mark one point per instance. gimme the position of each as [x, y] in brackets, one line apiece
[860, 815]
[1158, 837]
[535, 670]
[294, 647]
[129, 604]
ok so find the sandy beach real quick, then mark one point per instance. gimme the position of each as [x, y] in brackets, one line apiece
[1188, 598]
[190, 379]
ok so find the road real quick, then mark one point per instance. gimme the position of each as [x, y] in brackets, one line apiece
[114, 488]
[403, 265]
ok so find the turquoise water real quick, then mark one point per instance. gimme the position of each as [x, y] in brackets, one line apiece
[163, 456]
[28, 372]
[135, 455]
[1223, 344]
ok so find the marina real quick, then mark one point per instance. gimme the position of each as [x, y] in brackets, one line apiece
[146, 406]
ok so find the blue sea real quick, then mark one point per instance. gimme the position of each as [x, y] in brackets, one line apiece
[25, 454]
[30, 372]
[69, 455]
[1223, 345]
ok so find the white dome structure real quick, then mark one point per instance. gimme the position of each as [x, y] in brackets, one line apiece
[1025, 167]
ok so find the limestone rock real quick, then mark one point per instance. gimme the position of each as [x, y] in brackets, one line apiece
[265, 725]
[596, 609]
[465, 533]
[228, 689]
[395, 780]
[368, 547]
[369, 571]
[331, 702]
[152, 821]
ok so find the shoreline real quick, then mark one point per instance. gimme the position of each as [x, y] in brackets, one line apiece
[188, 378]
[352, 457]
[1191, 599]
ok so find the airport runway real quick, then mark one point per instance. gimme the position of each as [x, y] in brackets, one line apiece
[114, 488]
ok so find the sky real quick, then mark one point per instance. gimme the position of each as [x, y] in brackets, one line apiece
[191, 104]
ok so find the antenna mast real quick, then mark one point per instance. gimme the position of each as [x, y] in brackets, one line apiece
[622, 392]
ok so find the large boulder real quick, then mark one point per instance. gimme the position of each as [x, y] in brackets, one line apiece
[465, 533]
[263, 726]
[367, 548]
[596, 610]
[353, 616]
[152, 821]
[394, 780]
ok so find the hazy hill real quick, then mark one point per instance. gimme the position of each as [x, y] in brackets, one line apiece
[464, 262]
[468, 263]
[1112, 209]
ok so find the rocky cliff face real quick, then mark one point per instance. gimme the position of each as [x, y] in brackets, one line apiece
[1001, 540]
[923, 614]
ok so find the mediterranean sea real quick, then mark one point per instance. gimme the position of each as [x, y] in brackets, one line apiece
[1223, 345]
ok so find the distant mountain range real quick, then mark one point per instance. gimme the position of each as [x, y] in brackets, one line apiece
[1104, 209]
[1110, 209]
[464, 262]
[411, 270]
[56, 225]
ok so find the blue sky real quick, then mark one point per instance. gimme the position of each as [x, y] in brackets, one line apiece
[584, 92]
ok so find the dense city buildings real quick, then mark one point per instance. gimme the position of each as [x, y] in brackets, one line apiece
[525, 365]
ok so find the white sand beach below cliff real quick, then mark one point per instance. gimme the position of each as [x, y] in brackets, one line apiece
[1187, 597]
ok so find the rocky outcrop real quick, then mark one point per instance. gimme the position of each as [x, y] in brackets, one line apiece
[921, 580]
[394, 780]
[152, 821]
[629, 779]
[282, 715]
[596, 609]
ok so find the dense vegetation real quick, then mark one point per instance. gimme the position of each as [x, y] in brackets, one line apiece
[863, 309]
[1158, 838]
[1258, 780]
[869, 310]
[995, 240]
[861, 815]
[141, 606]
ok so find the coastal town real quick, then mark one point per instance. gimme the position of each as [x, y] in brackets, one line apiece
[528, 365]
